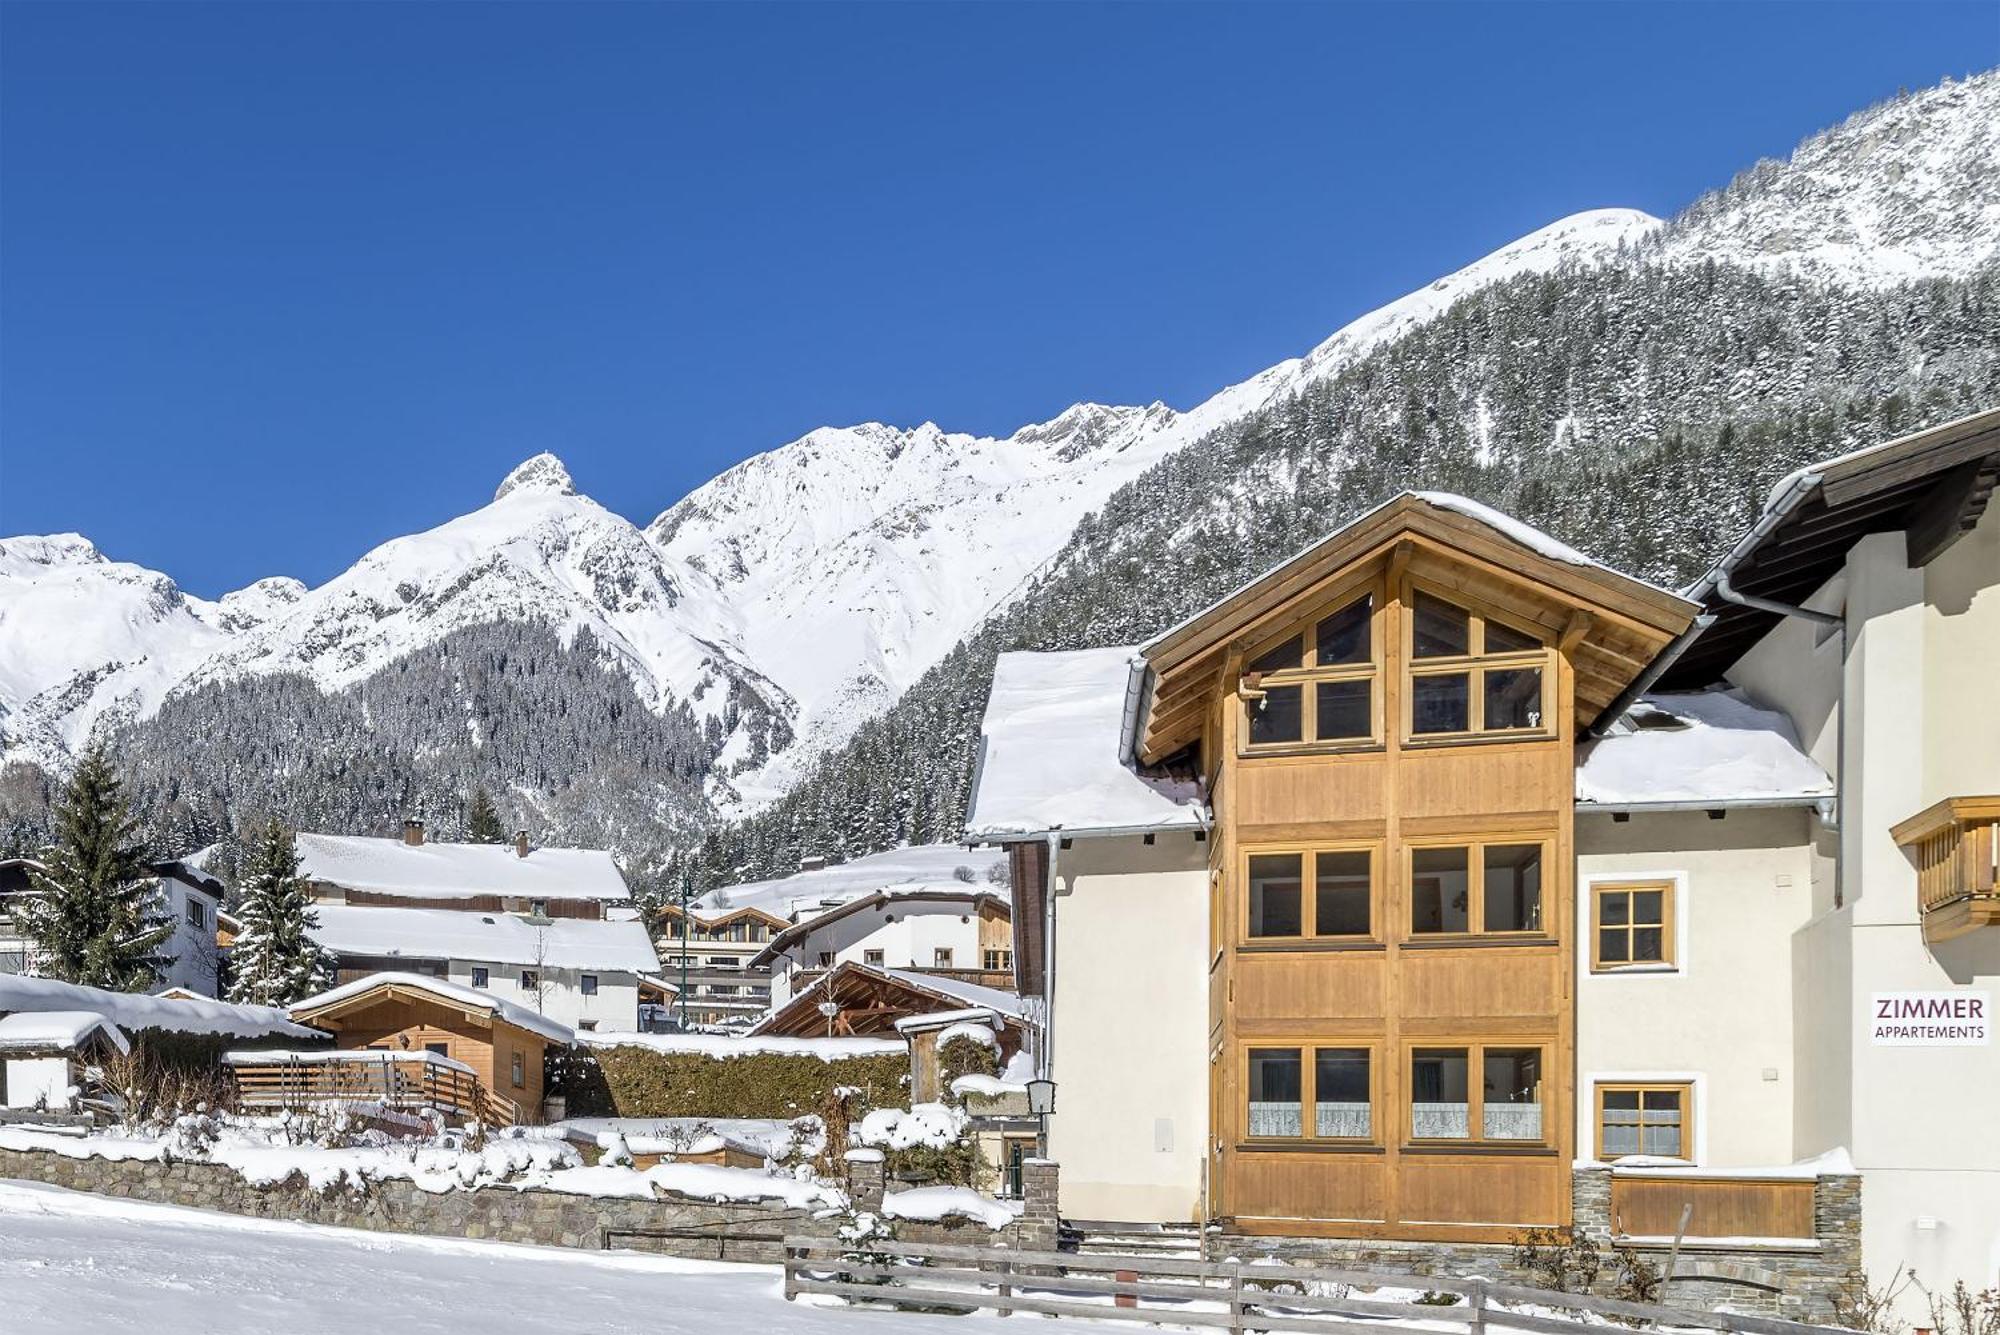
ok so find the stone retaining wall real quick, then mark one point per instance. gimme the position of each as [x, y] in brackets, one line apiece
[675, 1226]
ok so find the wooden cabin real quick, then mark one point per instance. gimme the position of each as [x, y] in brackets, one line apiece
[503, 1045]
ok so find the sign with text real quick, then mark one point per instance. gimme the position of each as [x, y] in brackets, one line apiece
[1960, 1018]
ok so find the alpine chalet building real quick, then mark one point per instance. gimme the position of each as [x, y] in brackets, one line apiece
[1442, 883]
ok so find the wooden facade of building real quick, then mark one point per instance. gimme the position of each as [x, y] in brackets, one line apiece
[1386, 726]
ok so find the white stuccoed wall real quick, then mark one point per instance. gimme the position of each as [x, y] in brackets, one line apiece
[920, 928]
[1922, 680]
[1130, 1027]
[1722, 1017]
[616, 1005]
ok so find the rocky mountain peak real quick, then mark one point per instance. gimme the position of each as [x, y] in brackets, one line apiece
[544, 472]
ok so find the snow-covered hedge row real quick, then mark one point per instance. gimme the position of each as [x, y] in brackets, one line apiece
[642, 1079]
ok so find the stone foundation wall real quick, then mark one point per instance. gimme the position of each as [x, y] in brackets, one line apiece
[1794, 1282]
[671, 1225]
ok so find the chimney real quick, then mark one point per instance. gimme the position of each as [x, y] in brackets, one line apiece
[814, 862]
[413, 833]
[520, 843]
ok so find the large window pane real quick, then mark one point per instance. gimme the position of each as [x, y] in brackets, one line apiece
[1282, 657]
[1340, 894]
[1662, 1124]
[1345, 710]
[1620, 1129]
[1340, 1093]
[1513, 698]
[1343, 636]
[1275, 895]
[1512, 1090]
[1503, 639]
[1440, 890]
[1279, 716]
[1277, 1099]
[1440, 630]
[1441, 703]
[1439, 1109]
[1513, 888]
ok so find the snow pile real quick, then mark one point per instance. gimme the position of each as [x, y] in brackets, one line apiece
[1050, 752]
[58, 1031]
[933, 1204]
[133, 1011]
[774, 1138]
[727, 1045]
[977, 1033]
[985, 1087]
[1706, 746]
[935, 1126]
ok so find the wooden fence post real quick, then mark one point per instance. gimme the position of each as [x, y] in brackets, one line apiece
[1004, 1290]
[791, 1271]
[1236, 1296]
[1475, 1322]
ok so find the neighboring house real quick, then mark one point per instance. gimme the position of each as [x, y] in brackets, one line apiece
[726, 942]
[1369, 899]
[705, 955]
[190, 898]
[953, 928]
[549, 929]
[859, 1001]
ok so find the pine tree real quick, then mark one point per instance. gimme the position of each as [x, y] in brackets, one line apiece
[276, 961]
[482, 822]
[96, 915]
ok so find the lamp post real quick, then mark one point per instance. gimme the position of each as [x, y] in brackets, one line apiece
[1042, 1102]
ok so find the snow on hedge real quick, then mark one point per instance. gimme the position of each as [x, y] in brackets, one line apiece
[132, 1011]
[726, 1045]
[934, 1126]
[977, 1033]
[933, 1204]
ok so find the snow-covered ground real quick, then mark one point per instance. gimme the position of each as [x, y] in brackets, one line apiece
[75, 1262]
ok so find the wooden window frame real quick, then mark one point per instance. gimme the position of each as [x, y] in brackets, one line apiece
[1307, 1050]
[1308, 675]
[1475, 1050]
[1670, 955]
[1475, 870]
[1309, 933]
[1685, 1088]
[1473, 666]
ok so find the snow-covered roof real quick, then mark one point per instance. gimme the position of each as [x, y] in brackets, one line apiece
[457, 871]
[837, 1048]
[62, 1031]
[455, 993]
[1004, 1004]
[1715, 748]
[133, 1011]
[502, 938]
[1050, 752]
[826, 887]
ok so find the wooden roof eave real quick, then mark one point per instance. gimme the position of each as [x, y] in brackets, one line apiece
[395, 992]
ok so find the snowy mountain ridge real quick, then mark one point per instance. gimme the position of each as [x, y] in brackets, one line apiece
[801, 591]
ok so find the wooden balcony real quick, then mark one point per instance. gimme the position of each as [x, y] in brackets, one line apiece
[398, 1081]
[1956, 847]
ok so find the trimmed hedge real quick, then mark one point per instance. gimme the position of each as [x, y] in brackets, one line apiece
[634, 1081]
[964, 1056]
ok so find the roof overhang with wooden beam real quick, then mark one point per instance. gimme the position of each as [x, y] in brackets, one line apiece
[1932, 486]
[1610, 624]
[869, 1002]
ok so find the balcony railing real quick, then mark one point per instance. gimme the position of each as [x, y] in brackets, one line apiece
[400, 1081]
[1956, 845]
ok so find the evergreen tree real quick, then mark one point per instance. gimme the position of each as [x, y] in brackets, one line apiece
[96, 915]
[276, 961]
[482, 822]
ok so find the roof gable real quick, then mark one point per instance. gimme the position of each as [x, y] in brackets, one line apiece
[1612, 624]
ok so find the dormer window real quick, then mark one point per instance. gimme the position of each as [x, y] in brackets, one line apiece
[1316, 685]
[1471, 674]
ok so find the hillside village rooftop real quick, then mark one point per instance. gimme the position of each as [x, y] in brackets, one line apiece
[460, 871]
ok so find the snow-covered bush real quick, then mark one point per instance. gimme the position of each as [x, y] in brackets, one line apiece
[927, 1143]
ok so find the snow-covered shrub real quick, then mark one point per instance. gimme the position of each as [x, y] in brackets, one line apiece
[966, 1049]
[859, 1232]
[927, 1143]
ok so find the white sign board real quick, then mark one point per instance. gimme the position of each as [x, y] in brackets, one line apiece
[1960, 1018]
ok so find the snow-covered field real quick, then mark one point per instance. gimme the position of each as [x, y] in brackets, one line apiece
[75, 1262]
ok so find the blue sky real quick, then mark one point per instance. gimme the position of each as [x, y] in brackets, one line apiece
[279, 282]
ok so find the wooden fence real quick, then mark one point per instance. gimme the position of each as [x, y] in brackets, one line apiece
[1223, 1295]
[403, 1081]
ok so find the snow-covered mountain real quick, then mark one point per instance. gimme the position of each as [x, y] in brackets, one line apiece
[803, 590]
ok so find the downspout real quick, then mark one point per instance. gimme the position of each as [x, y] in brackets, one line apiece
[1049, 975]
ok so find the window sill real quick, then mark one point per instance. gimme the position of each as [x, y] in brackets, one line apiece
[1308, 1147]
[1426, 740]
[1637, 970]
[1305, 945]
[1474, 941]
[1494, 1148]
[1281, 750]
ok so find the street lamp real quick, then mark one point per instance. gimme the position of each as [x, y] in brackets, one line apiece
[1042, 1102]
